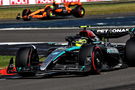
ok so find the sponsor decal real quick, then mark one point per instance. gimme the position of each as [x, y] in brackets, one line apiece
[112, 50]
[44, 1]
[1, 2]
[97, 0]
[19, 2]
[65, 1]
[114, 30]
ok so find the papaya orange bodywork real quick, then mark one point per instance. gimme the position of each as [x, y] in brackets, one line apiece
[42, 13]
[58, 10]
[34, 14]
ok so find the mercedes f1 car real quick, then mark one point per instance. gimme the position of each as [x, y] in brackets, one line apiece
[86, 53]
[56, 9]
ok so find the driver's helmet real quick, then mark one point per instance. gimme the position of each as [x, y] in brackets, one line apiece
[87, 33]
[54, 3]
[80, 42]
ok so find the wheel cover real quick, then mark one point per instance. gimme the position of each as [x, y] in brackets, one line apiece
[88, 60]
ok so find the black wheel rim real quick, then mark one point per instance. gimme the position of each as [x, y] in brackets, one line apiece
[88, 60]
[81, 12]
[97, 60]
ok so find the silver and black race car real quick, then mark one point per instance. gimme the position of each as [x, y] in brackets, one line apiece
[89, 52]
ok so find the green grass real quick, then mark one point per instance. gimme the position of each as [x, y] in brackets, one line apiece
[109, 9]
[10, 13]
[4, 60]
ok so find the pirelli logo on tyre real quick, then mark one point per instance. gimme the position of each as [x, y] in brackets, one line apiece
[43, 1]
[1, 2]
[19, 2]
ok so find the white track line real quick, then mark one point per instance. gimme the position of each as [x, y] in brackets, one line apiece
[21, 43]
[8, 29]
[51, 28]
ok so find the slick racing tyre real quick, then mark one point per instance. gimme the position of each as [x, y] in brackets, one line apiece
[25, 14]
[78, 12]
[91, 57]
[26, 57]
[130, 52]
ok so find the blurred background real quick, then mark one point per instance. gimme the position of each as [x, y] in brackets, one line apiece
[10, 8]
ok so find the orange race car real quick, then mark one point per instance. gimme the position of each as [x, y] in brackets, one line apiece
[56, 9]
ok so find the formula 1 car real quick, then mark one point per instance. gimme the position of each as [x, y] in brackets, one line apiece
[56, 9]
[86, 53]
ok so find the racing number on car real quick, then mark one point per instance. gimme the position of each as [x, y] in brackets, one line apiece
[19, 2]
[44, 1]
[1, 2]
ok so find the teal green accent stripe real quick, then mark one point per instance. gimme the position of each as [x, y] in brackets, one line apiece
[73, 48]
[133, 29]
[96, 42]
[59, 55]
[19, 69]
[69, 49]
[83, 67]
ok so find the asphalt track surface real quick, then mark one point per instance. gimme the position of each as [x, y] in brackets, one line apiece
[109, 20]
[56, 35]
[22, 36]
[123, 79]
[114, 80]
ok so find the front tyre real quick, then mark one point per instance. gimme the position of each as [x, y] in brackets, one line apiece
[78, 12]
[97, 59]
[91, 58]
[25, 14]
[26, 57]
[130, 52]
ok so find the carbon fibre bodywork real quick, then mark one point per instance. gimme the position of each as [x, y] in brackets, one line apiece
[93, 56]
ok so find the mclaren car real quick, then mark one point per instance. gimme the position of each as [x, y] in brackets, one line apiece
[54, 10]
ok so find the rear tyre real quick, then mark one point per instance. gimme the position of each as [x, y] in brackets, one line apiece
[26, 57]
[25, 14]
[130, 52]
[78, 12]
[91, 57]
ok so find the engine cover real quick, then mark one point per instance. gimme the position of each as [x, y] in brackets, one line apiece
[113, 56]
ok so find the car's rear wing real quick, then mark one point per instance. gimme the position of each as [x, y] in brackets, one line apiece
[112, 32]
